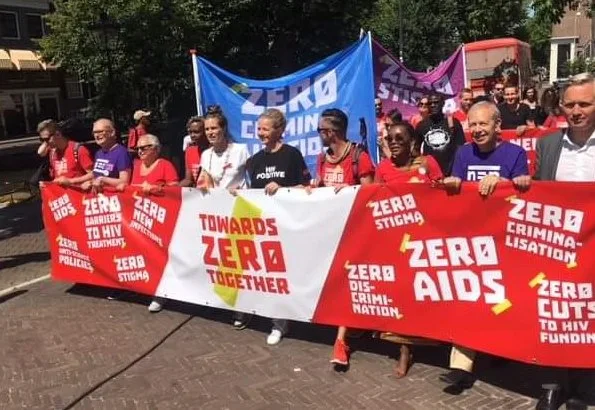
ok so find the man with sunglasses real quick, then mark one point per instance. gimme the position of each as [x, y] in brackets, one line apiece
[70, 162]
[498, 93]
[112, 165]
[343, 164]
[441, 134]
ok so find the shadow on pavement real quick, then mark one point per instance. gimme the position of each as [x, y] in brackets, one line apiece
[509, 375]
[12, 261]
[12, 295]
[21, 218]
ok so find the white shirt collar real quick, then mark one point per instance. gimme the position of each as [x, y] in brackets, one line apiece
[567, 139]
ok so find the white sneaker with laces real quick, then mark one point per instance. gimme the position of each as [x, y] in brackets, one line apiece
[275, 337]
[156, 305]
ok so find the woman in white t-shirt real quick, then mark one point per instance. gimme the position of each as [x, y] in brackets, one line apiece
[224, 163]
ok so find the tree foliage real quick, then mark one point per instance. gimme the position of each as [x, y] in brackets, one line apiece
[147, 49]
[433, 30]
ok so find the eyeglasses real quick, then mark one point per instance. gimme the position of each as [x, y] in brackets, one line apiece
[44, 139]
[325, 130]
[143, 148]
[97, 132]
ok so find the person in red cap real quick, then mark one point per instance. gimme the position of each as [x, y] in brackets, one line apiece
[142, 120]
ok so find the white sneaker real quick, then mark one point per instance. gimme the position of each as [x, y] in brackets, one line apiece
[275, 337]
[156, 305]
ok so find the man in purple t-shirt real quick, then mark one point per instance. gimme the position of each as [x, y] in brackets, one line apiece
[488, 159]
[112, 163]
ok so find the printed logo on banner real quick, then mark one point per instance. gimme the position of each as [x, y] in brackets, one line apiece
[70, 254]
[343, 80]
[242, 252]
[61, 207]
[395, 212]
[544, 229]
[103, 222]
[146, 213]
[457, 269]
[131, 269]
[565, 311]
[400, 88]
[363, 283]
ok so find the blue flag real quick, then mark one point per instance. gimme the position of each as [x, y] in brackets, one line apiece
[345, 80]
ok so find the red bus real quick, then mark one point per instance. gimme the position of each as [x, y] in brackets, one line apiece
[501, 59]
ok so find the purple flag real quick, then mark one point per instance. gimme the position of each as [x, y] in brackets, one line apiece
[399, 87]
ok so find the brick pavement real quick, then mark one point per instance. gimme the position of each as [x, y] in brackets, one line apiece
[58, 341]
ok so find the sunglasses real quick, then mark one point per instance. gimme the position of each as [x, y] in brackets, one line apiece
[143, 148]
[325, 130]
[396, 140]
[44, 139]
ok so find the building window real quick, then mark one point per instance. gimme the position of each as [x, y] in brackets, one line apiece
[35, 26]
[9, 26]
[74, 88]
[563, 59]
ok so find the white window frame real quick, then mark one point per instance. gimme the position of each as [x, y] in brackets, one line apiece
[16, 17]
[43, 33]
[74, 82]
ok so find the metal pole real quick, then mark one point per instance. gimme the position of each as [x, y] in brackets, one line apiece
[111, 99]
[401, 31]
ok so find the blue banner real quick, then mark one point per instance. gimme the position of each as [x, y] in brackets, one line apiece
[344, 80]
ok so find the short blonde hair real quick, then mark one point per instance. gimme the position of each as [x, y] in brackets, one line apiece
[276, 116]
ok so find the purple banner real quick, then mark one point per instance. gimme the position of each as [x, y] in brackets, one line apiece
[399, 87]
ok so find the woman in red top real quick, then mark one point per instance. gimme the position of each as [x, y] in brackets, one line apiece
[405, 165]
[150, 171]
[198, 143]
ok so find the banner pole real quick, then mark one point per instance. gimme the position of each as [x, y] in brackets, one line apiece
[465, 68]
[194, 57]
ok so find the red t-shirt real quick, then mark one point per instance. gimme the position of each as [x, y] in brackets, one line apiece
[462, 117]
[192, 158]
[134, 134]
[555, 121]
[65, 164]
[426, 170]
[163, 172]
[342, 173]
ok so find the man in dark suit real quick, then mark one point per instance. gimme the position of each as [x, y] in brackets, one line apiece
[569, 155]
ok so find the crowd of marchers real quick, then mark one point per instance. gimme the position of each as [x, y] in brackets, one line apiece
[428, 148]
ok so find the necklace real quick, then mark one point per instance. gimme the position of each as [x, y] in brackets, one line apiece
[333, 161]
[217, 178]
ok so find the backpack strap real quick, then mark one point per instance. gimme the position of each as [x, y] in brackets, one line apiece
[356, 152]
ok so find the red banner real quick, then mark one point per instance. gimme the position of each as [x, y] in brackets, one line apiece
[113, 240]
[511, 275]
[527, 140]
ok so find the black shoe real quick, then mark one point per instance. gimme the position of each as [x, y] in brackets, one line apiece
[459, 381]
[575, 404]
[552, 399]
[455, 376]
